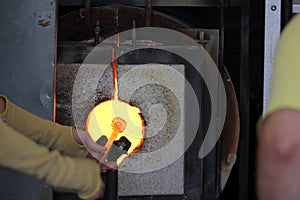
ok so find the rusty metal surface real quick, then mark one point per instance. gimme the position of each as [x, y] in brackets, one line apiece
[230, 133]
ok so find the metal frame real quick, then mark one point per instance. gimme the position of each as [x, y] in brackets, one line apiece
[272, 33]
[158, 3]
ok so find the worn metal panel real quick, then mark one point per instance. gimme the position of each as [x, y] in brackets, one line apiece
[27, 49]
[272, 32]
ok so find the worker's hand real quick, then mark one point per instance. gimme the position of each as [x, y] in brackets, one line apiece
[83, 138]
[100, 193]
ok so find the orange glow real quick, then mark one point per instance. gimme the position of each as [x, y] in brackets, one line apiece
[114, 119]
[115, 75]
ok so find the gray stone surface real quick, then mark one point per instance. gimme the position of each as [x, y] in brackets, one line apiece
[158, 91]
[166, 181]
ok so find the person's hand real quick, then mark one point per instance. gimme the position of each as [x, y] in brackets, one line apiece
[83, 138]
[100, 193]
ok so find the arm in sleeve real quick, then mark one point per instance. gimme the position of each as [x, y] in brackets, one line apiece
[285, 81]
[20, 153]
[44, 132]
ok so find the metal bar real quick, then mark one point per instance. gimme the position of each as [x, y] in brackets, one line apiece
[111, 180]
[158, 3]
[272, 33]
[296, 8]
[87, 11]
[201, 137]
[244, 102]
[148, 13]
[97, 32]
[221, 70]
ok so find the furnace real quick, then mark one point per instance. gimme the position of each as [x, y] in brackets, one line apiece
[160, 152]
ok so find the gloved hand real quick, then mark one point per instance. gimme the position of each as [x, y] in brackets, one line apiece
[47, 150]
[83, 138]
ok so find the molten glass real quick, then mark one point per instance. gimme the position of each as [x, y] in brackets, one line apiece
[116, 124]
[115, 119]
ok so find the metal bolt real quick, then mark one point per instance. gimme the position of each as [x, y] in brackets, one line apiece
[273, 7]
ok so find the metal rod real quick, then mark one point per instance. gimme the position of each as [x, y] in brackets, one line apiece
[97, 32]
[201, 137]
[133, 33]
[148, 13]
[111, 181]
[221, 70]
[202, 123]
[87, 11]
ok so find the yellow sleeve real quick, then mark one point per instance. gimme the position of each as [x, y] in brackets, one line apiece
[44, 132]
[285, 92]
[20, 153]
